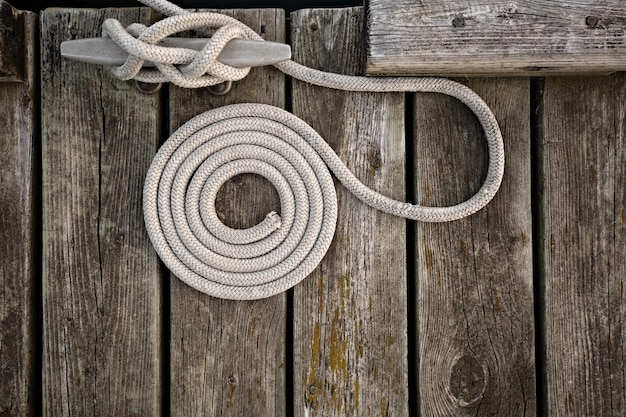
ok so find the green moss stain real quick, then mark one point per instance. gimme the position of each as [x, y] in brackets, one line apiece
[429, 258]
[496, 302]
[312, 388]
[232, 387]
[337, 357]
[345, 283]
[315, 356]
[384, 406]
[337, 346]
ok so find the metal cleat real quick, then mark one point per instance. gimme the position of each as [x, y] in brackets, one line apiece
[238, 53]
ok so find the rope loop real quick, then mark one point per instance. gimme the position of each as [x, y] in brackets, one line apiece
[181, 66]
[189, 169]
[182, 184]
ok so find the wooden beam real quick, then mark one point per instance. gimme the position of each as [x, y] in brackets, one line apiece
[16, 30]
[102, 346]
[474, 275]
[19, 280]
[582, 157]
[495, 38]
[228, 357]
[350, 315]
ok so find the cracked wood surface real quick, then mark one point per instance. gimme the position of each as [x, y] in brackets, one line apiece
[228, 357]
[582, 156]
[495, 38]
[107, 344]
[474, 276]
[350, 315]
[101, 277]
[19, 287]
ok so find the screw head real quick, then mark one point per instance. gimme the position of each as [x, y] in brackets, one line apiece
[147, 88]
[458, 22]
[221, 88]
[591, 21]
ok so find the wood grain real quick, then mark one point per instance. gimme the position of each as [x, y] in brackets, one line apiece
[228, 357]
[583, 250]
[101, 277]
[19, 294]
[475, 281]
[350, 315]
[503, 38]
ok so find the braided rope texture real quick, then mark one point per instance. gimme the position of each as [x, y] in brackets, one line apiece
[183, 180]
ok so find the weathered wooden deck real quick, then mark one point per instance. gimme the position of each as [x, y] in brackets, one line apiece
[518, 310]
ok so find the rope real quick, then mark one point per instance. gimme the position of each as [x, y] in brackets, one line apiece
[189, 169]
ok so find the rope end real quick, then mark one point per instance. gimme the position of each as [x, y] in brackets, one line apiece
[274, 218]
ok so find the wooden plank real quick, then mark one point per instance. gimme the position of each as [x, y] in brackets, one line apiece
[228, 357]
[19, 294]
[583, 174]
[101, 278]
[16, 29]
[474, 37]
[475, 280]
[350, 315]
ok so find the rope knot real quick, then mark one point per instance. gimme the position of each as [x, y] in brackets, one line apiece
[181, 66]
[183, 180]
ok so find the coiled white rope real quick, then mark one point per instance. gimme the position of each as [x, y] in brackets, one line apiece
[189, 169]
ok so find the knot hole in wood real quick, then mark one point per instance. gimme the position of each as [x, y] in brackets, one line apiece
[468, 380]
